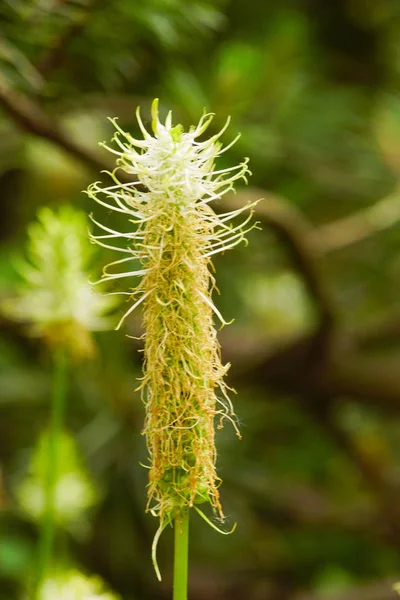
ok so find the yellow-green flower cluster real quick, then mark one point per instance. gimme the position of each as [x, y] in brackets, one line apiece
[72, 585]
[175, 234]
[55, 298]
[74, 494]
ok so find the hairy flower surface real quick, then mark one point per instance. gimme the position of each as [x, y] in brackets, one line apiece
[169, 250]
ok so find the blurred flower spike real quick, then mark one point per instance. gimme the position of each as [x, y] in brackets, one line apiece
[55, 298]
[74, 493]
[168, 251]
[72, 585]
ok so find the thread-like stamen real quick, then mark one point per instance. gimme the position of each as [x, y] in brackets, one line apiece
[132, 308]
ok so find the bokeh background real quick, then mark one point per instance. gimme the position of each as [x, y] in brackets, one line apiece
[314, 485]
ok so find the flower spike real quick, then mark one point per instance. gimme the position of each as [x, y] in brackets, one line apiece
[176, 232]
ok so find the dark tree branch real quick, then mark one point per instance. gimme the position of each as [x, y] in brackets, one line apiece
[358, 226]
[31, 118]
[293, 232]
[295, 368]
[55, 55]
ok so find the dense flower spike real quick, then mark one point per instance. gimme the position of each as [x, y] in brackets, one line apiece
[169, 250]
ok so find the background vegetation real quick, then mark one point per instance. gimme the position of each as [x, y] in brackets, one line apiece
[315, 483]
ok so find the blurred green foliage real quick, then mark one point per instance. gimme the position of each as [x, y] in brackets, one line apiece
[314, 484]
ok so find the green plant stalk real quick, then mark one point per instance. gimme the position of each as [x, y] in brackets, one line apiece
[181, 556]
[46, 538]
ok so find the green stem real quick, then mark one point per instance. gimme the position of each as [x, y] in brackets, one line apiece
[46, 538]
[181, 527]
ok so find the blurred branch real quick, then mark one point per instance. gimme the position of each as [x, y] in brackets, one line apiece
[30, 117]
[55, 54]
[372, 380]
[296, 368]
[379, 335]
[300, 505]
[363, 224]
[337, 234]
[293, 232]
